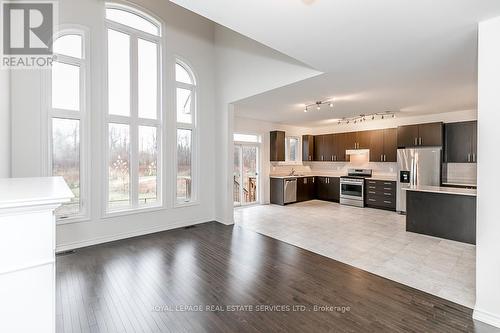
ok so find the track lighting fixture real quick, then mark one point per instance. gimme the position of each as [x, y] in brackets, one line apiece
[363, 117]
[318, 105]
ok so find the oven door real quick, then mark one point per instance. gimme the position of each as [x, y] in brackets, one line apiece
[351, 190]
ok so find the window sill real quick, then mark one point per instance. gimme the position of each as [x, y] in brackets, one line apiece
[186, 204]
[132, 211]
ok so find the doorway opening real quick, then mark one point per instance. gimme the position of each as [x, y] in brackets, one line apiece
[246, 173]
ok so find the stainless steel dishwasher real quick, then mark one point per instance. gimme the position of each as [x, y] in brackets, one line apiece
[290, 190]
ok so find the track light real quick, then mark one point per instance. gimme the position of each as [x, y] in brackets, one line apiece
[331, 104]
[305, 110]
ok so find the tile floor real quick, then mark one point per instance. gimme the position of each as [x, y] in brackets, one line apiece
[373, 240]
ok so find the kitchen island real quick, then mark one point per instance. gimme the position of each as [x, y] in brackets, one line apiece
[443, 212]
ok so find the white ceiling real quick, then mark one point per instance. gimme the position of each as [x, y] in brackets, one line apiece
[415, 56]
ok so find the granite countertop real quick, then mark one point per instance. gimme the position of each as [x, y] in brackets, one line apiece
[443, 190]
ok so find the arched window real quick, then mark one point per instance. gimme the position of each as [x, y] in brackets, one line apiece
[134, 120]
[67, 120]
[185, 95]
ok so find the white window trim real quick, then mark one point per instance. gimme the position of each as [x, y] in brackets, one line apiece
[193, 126]
[82, 115]
[134, 121]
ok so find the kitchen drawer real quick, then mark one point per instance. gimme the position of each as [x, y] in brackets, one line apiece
[381, 194]
[381, 202]
[381, 184]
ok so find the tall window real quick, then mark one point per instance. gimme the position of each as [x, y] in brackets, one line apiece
[185, 94]
[68, 119]
[134, 120]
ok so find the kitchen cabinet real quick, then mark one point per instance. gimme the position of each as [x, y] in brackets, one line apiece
[363, 139]
[277, 146]
[307, 148]
[383, 145]
[305, 189]
[460, 144]
[390, 145]
[422, 135]
[324, 147]
[328, 188]
[380, 194]
[377, 146]
[276, 187]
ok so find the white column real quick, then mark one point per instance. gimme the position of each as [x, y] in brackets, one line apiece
[488, 213]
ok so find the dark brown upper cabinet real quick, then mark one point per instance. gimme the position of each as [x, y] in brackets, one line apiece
[377, 146]
[324, 147]
[277, 146]
[407, 136]
[363, 139]
[422, 135]
[391, 145]
[460, 145]
[383, 145]
[307, 148]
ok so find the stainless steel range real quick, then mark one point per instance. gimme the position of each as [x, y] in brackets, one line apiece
[352, 187]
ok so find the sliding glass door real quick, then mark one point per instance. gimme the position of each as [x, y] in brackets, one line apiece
[245, 174]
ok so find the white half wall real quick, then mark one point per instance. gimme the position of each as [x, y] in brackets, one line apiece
[488, 215]
[4, 123]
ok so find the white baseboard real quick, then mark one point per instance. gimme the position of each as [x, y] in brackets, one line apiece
[224, 221]
[106, 239]
[486, 317]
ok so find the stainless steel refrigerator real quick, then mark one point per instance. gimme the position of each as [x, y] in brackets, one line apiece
[417, 166]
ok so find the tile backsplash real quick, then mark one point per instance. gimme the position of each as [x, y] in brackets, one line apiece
[378, 168]
[333, 167]
[460, 173]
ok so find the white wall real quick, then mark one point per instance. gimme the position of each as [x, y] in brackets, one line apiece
[244, 68]
[488, 215]
[187, 35]
[4, 123]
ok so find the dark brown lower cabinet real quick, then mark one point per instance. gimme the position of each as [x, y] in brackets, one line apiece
[328, 188]
[380, 194]
[306, 189]
[276, 187]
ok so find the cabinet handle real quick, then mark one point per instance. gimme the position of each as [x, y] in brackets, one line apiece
[420, 141]
[473, 157]
[369, 199]
[322, 157]
[468, 157]
[385, 158]
[387, 193]
[387, 183]
[381, 158]
[387, 188]
[371, 186]
[371, 192]
[387, 202]
[416, 142]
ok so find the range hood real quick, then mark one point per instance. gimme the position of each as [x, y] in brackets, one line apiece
[357, 151]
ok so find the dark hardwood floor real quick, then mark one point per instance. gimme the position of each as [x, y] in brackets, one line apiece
[164, 283]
